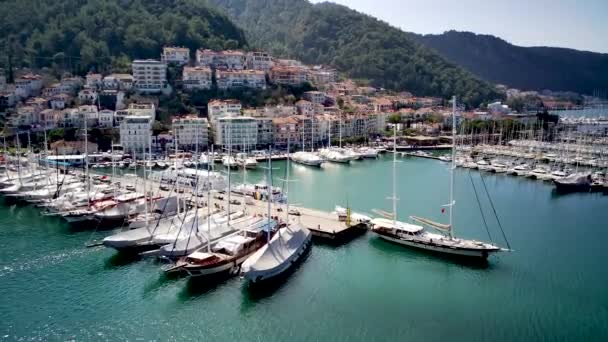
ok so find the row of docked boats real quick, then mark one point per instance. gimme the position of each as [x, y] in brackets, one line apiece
[335, 155]
[196, 241]
[564, 176]
[212, 240]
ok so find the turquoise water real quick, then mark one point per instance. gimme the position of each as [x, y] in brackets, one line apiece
[553, 287]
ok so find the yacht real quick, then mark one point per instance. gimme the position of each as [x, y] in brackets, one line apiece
[483, 165]
[368, 152]
[307, 158]
[335, 155]
[246, 162]
[227, 254]
[416, 236]
[229, 161]
[579, 181]
[125, 206]
[519, 170]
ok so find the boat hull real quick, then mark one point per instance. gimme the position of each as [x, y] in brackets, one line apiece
[228, 267]
[277, 272]
[461, 252]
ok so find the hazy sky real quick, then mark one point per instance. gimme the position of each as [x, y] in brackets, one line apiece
[578, 24]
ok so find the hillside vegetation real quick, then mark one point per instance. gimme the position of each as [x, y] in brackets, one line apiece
[80, 35]
[360, 46]
[495, 60]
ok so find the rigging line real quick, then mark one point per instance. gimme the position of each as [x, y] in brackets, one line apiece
[182, 225]
[483, 216]
[494, 210]
[165, 206]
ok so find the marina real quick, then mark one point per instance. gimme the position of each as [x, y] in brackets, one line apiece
[146, 304]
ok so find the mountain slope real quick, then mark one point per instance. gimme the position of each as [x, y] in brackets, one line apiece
[357, 44]
[495, 60]
[95, 33]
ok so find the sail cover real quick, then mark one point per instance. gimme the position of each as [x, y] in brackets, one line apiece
[436, 225]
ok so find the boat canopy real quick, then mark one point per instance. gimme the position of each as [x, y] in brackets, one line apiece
[436, 225]
[232, 245]
[201, 256]
[403, 226]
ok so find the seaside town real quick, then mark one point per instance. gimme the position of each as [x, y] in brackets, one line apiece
[302, 170]
[130, 109]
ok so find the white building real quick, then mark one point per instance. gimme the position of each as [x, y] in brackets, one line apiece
[241, 132]
[290, 75]
[60, 101]
[90, 113]
[316, 97]
[228, 59]
[135, 133]
[306, 108]
[196, 78]
[135, 109]
[498, 108]
[191, 131]
[87, 95]
[106, 118]
[265, 131]
[223, 108]
[93, 81]
[177, 55]
[322, 77]
[28, 85]
[259, 60]
[149, 76]
[241, 78]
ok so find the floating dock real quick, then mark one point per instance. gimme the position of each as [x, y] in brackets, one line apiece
[323, 225]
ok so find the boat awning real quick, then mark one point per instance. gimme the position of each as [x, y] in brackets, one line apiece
[436, 225]
[200, 256]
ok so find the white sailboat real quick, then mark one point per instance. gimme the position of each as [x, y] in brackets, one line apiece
[417, 236]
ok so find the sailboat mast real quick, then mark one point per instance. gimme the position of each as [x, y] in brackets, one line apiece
[395, 176]
[453, 166]
[269, 190]
[86, 162]
[312, 133]
[340, 129]
[208, 199]
[287, 185]
[229, 165]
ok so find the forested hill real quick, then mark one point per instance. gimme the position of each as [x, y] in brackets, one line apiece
[495, 60]
[86, 34]
[357, 44]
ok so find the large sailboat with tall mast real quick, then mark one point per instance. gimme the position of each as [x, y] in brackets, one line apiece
[417, 236]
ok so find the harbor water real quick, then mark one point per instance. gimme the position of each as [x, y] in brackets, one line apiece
[552, 287]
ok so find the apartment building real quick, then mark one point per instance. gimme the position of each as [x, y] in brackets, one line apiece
[293, 76]
[225, 60]
[196, 78]
[191, 131]
[149, 76]
[135, 133]
[223, 108]
[259, 60]
[241, 132]
[177, 55]
[240, 78]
